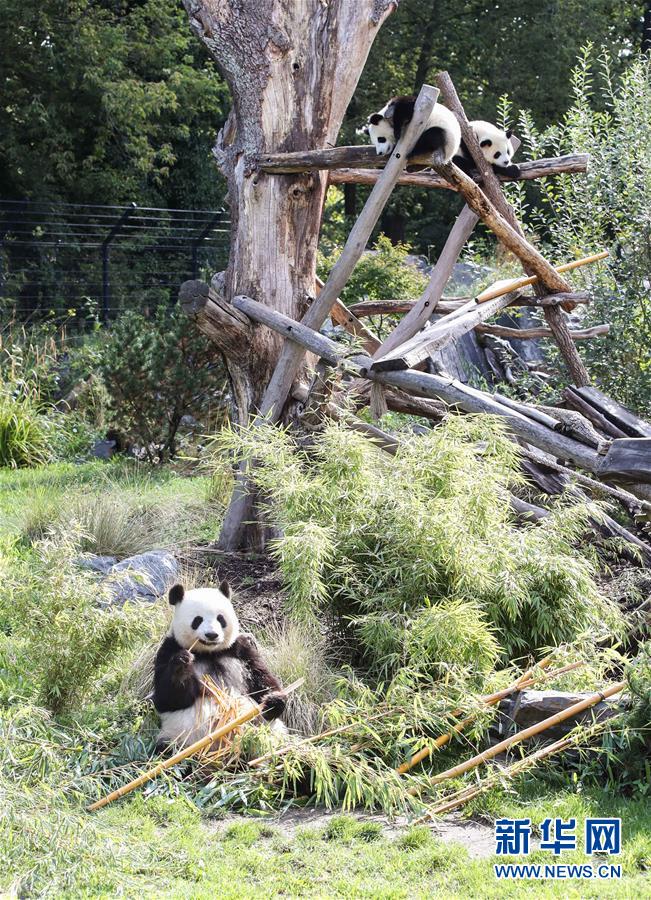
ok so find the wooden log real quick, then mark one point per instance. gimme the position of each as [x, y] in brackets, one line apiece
[436, 336]
[576, 401]
[451, 304]
[432, 387]
[493, 192]
[532, 731]
[628, 459]
[574, 163]
[439, 277]
[619, 415]
[341, 315]
[530, 411]
[228, 328]
[528, 334]
[362, 156]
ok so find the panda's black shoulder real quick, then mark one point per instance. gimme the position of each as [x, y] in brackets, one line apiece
[167, 649]
[403, 105]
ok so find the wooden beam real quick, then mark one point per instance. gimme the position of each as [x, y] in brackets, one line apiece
[362, 158]
[528, 334]
[341, 315]
[628, 459]
[619, 415]
[422, 384]
[576, 401]
[551, 282]
[229, 329]
[451, 304]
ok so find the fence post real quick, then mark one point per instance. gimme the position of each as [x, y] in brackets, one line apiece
[106, 284]
[203, 234]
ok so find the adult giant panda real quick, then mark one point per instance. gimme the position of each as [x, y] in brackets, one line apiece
[496, 146]
[441, 134]
[205, 617]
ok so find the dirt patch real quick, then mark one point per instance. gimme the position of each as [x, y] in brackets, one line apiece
[477, 838]
[256, 582]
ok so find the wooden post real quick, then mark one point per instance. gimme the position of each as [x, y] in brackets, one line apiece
[291, 354]
[553, 315]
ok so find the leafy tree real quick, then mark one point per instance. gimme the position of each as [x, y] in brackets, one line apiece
[118, 98]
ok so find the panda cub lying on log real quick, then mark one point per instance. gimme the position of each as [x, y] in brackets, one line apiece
[204, 618]
[441, 134]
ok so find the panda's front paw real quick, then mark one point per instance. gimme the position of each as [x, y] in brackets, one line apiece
[511, 171]
[183, 663]
[273, 705]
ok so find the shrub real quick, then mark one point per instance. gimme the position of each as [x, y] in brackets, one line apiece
[607, 208]
[381, 274]
[157, 370]
[23, 433]
[368, 538]
[70, 637]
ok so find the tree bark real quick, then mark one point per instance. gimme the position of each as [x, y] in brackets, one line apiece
[291, 68]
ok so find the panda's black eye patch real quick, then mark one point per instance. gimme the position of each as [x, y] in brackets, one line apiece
[196, 622]
[221, 620]
[381, 140]
[497, 155]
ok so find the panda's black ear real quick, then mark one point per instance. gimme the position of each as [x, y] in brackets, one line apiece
[176, 594]
[486, 143]
[375, 119]
[509, 133]
[226, 590]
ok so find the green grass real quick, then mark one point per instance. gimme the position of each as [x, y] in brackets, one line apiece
[162, 843]
[159, 848]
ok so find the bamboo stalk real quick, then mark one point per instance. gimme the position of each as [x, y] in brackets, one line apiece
[517, 283]
[194, 748]
[533, 730]
[528, 679]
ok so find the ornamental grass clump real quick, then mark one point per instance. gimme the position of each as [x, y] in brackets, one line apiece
[417, 557]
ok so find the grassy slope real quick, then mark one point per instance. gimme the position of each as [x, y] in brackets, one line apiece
[159, 847]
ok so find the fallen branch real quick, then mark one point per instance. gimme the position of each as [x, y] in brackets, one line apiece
[528, 334]
[451, 304]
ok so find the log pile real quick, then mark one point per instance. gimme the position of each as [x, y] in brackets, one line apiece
[602, 439]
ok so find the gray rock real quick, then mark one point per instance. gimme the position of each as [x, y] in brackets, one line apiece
[144, 577]
[103, 449]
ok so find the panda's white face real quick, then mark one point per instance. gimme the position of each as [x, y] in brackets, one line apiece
[205, 616]
[381, 133]
[495, 143]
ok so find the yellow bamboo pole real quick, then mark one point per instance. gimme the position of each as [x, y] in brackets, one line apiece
[490, 700]
[517, 283]
[197, 747]
[526, 733]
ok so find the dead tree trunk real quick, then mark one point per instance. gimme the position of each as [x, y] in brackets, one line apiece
[291, 68]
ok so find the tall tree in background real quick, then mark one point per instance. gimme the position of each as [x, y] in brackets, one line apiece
[106, 102]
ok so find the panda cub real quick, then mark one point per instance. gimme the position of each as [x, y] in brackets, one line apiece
[205, 617]
[495, 145]
[441, 134]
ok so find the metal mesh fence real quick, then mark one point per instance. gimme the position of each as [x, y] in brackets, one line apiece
[94, 259]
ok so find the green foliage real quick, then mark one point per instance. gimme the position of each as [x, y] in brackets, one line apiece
[122, 101]
[369, 538]
[72, 635]
[381, 274]
[24, 437]
[157, 370]
[609, 208]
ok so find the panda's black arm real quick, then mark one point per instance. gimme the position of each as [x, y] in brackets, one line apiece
[175, 683]
[262, 685]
